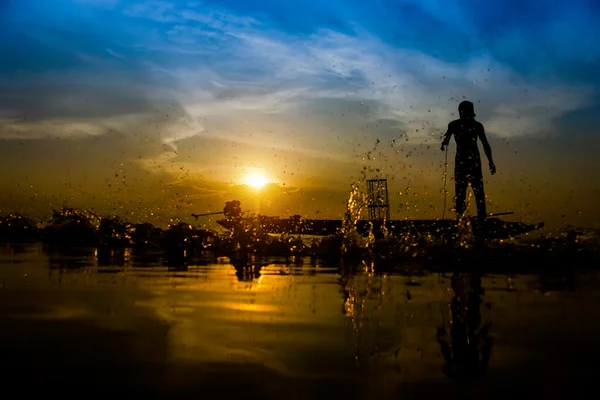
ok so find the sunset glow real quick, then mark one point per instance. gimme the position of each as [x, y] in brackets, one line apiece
[152, 109]
[256, 181]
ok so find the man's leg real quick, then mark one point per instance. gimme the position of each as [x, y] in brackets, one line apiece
[460, 192]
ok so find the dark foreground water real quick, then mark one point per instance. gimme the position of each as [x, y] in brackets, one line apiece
[299, 330]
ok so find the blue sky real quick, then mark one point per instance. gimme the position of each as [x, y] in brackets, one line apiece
[316, 82]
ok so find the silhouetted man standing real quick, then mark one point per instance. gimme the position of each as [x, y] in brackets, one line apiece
[467, 164]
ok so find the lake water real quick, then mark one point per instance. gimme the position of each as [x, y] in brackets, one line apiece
[125, 322]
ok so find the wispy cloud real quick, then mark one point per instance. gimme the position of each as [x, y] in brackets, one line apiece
[231, 64]
[272, 73]
[161, 11]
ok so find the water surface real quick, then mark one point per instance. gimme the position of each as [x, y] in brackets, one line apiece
[296, 329]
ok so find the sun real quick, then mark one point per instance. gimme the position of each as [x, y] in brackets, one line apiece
[256, 181]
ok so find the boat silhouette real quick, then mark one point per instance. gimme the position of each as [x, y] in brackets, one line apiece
[378, 221]
[491, 228]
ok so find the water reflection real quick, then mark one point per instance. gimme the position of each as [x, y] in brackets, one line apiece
[553, 281]
[72, 258]
[119, 257]
[246, 272]
[468, 353]
[297, 317]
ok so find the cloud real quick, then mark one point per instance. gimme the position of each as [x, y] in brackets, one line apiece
[19, 130]
[47, 100]
[408, 86]
[161, 11]
[252, 68]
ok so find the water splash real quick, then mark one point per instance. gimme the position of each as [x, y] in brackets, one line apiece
[352, 239]
[464, 233]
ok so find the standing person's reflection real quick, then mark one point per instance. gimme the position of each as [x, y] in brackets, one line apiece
[468, 353]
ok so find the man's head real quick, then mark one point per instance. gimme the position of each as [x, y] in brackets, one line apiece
[466, 110]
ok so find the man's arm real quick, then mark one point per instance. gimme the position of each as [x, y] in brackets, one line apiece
[487, 148]
[447, 137]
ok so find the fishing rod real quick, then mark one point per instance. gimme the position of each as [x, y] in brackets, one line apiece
[445, 182]
[207, 214]
[214, 213]
[500, 213]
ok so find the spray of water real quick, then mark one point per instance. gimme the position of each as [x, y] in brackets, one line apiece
[352, 239]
